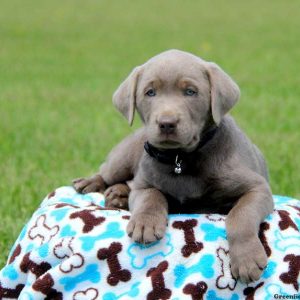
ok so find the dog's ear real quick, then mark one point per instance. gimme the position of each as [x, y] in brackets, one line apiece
[124, 97]
[224, 92]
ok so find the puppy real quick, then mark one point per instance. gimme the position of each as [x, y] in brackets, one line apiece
[190, 156]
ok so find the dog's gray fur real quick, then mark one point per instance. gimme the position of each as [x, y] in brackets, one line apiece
[231, 174]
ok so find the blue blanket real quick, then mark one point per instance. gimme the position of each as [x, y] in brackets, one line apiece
[74, 248]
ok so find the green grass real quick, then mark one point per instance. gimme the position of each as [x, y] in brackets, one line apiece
[60, 62]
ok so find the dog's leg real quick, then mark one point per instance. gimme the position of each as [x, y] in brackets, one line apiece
[119, 167]
[247, 254]
[149, 209]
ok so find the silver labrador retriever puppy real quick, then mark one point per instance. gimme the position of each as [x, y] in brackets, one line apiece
[190, 156]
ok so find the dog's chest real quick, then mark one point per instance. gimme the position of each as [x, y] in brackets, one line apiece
[180, 186]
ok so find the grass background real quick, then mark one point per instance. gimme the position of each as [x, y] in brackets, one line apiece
[60, 62]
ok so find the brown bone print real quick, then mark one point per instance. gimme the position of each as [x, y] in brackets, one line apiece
[16, 253]
[44, 285]
[286, 220]
[291, 276]
[249, 292]
[262, 236]
[6, 293]
[110, 254]
[37, 269]
[191, 246]
[159, 291]
[89, 220]
[196, 291]
[61, 205]
[52, 194]
[296, 208]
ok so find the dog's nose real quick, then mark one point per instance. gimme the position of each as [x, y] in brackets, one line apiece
[167, 124]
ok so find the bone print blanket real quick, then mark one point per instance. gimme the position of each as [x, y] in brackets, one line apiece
[73, 248]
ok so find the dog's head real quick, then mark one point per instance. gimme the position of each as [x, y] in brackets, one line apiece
[176, 94]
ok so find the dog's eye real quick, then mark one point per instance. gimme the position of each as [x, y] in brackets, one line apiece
[151, 93]
[189, 92]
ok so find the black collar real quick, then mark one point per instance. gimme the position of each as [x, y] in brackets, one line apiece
[179, 158]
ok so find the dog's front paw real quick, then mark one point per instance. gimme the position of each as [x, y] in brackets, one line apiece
[247, 259]
[116, 196]
[147, 228]
[89, 185]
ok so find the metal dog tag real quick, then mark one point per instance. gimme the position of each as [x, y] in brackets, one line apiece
[178, 169]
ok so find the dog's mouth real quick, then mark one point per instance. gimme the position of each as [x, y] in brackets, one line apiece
[169, 144]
